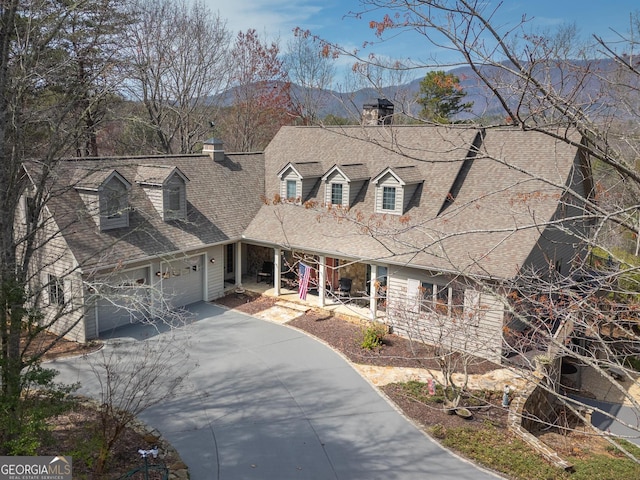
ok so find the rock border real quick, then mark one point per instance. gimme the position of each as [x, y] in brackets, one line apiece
[178, 470]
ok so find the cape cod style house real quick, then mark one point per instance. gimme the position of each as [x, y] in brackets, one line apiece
[406, 213]
[414, 216]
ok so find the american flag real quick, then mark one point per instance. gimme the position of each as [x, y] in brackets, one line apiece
[305, 273]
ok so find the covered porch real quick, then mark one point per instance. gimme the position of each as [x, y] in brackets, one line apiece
[358, 307]
[348, 287]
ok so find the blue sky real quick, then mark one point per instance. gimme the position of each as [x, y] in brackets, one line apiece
[329, 19]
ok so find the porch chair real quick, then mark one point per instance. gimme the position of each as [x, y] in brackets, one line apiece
[344, 287]
[266, 273]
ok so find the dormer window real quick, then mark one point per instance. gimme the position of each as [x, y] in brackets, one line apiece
[114, 204]
[166, 187]
[115, 199]
[395, 187]
[298, 179]
[343, 183]
[292, 188]
[336, 194]
[106, 197]
[389, 198]
[175, 203]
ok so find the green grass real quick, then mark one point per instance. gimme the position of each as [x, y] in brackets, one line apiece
[601, 467]
[501, 451]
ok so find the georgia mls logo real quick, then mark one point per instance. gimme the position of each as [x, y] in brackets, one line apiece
[36, 468]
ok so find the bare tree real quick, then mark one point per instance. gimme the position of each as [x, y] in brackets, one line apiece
[549, 83]
[450, 324]
[312, 72]
[43, 118]
[260, 94]
[132, 380]
[178, 60]
[34, 120]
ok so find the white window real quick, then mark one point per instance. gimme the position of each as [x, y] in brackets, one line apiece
[427, 296]
[442, 299]
[115, 199]
[388, 198]
[30, 210]
[336, 194]
[56, 290]
[175, 199]
[291, 189]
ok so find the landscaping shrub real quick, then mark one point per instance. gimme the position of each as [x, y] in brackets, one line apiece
[373, 336]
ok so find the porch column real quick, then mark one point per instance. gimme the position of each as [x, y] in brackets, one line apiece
[276, 271]
[373, 301]
[322, 275]
[238, 260]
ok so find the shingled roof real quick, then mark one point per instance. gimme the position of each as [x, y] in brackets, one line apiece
[222, 199]
[483, 199]
[156, 174]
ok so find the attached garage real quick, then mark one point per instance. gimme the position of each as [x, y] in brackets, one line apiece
[127, 297]
[123, 298]
[182, 281]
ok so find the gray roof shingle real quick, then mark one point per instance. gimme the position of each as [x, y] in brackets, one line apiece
[222, 199]
[506, 192]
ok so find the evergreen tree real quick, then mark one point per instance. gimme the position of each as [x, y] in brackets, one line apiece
[441, 97]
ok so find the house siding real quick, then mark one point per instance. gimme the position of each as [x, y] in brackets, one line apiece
[480, 333]
[122, 220]
[215, 273]
[117, 222]
[72, 315]
[55, 258]
[155, 196]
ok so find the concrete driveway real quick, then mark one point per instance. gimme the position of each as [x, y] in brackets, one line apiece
[268, 402]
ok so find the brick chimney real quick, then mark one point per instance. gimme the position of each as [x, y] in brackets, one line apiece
[379, 112]
[213, 147]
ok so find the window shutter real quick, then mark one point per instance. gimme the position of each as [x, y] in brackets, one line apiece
[413, 295]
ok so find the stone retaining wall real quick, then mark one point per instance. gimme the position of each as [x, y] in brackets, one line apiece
[531, 403]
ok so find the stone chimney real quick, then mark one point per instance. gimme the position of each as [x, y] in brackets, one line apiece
[379, 112]
[213, 147]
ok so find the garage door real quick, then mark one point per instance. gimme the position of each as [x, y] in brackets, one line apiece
[123, 299]
[182, 281]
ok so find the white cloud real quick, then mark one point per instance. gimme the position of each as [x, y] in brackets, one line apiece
[273, 18]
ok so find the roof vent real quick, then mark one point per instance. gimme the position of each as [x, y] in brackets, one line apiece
[214, 148]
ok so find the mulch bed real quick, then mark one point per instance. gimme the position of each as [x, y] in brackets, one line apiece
[74, 433]
[345, 335]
